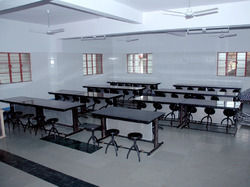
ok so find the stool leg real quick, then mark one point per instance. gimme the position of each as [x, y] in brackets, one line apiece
[131, 148]
[115, 146]
[108, 146]
[138, 152]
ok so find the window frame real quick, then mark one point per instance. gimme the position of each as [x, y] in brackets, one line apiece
[236, 65]
[20, 63]
[97, 72]
[133, 63]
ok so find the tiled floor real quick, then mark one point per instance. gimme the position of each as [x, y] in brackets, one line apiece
[188, 158]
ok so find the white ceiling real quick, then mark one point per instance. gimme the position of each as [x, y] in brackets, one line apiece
[58, 15]
[61, 15]
[154, 5]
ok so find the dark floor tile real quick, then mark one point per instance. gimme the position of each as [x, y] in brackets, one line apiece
[40, 171]
[74, 144]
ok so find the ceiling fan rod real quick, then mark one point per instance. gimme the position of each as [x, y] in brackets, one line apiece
[48, 13]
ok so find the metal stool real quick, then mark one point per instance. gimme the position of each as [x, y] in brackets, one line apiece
[112, 133]
[211, 89]
[209, 112]
[15, 119]
[141, 105]
[134, 136]
[173, 108]
[40, 123]
[28, 124]
[228, 113]
[223, 90]
[92, 128]
[190, 110]
[52, 122]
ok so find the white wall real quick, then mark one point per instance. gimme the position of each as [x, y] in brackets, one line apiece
[66, 73]
[16, 37]
[190, 59]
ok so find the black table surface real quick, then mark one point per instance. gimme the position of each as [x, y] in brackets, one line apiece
[134, 82]
[115, 87]
[208, 93]
[44, 103]
[205, 86]
[139, 116]
[86, 94]
[195, 102]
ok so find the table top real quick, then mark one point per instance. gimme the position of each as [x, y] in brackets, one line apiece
[116, 87]
[139, 116]
[206, 86]
[135, 82]
[44, 103]
[195, 92]
[86, 94]
[195, 102]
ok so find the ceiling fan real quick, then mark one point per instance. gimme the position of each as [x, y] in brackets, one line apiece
[189, 13]
[227, 35]
[49, 31]
[129, 39]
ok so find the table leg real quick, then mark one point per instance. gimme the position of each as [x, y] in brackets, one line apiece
[156, 142]
[39, 111]
[155, 132]
[75, 119]
[103, 124]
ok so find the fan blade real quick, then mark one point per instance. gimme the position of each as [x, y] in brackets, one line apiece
[132, 40]
[227, 35]
[172, 12]
[38, 32]
[176, 33]
[54, 31]
[206, 10]
[204, 14]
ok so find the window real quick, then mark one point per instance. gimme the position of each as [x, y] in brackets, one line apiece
[233, 64]
[15, 67]
[92, 64]
[139, 63]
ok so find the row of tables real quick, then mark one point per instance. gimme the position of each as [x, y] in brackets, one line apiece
[125, 114]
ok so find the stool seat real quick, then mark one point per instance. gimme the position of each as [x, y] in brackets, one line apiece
[113, 132]
[91, 126]
[135, 136]
[52, 120]
[229, 112]
[209, 111]
[174, 107]
[28, 115]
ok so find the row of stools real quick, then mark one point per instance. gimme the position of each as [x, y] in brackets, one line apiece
[29, 121]
[208, 89]
[229, 113]
[113, 133]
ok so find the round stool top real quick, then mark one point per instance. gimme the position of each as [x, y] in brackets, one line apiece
[174, 107]
[192, 109]
[209, 111]
[52, 120]
[91, 127]
[229, 112]
[113, 131]
[135, 136]
[28, 115]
